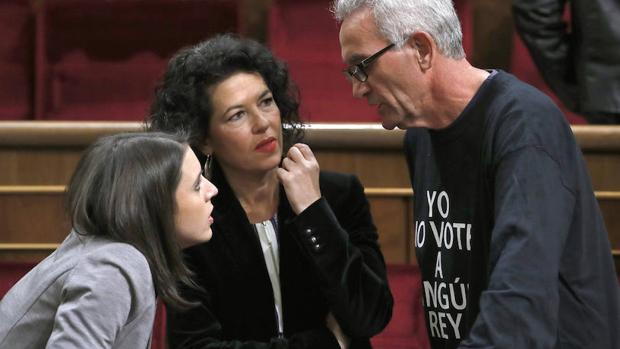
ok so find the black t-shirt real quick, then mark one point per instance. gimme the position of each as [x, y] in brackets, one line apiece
[508, 234]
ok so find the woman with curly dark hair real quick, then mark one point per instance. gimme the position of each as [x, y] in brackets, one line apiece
[294, 260]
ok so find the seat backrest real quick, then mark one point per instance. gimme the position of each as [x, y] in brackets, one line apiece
[407, 329]
[16, 55]
[103, 59]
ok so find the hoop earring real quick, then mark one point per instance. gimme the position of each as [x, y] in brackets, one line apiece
[206, 170]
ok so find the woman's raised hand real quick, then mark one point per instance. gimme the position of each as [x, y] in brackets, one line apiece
[299, 175]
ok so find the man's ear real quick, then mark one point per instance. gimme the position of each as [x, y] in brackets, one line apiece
[425, 46]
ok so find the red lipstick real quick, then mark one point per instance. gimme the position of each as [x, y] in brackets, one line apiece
[267, 145]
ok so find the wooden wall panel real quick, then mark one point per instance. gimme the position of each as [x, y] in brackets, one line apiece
[604, 170]
[45, 154]
[32, 223]
[377, 169]
[391, 219]
[610, 207]
[32, 218]
[38, 165]
[23, 256]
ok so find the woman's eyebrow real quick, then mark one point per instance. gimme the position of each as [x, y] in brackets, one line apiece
[266, 92]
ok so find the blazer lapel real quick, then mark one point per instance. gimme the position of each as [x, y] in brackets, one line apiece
[235, 231]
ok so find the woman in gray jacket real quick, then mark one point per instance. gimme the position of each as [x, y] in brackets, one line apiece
[134, 201]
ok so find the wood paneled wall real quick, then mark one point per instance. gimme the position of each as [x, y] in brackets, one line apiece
[37, 159]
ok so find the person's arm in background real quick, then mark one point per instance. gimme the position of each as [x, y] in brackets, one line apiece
[341, 242]
[542, 28]
[533, 211]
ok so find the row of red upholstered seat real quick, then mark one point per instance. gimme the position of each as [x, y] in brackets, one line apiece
[304, 33]
[405, 331]
[100, 60]
[95, 60]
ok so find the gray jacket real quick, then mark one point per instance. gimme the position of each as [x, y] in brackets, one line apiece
[89, 293]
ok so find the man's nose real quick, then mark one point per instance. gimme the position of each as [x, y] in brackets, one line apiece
[359, 89]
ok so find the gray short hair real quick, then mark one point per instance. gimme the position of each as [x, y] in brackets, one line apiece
[397, 19]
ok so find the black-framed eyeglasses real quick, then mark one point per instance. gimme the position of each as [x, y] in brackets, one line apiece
[358, 71]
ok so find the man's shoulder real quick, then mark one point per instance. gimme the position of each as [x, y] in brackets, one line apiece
[508, 93]
[518, 108]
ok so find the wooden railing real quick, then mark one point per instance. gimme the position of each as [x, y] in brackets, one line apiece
[37, 159]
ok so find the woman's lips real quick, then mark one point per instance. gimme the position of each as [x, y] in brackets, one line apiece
[266, 146]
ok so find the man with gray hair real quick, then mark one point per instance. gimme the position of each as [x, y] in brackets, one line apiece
[508, 233]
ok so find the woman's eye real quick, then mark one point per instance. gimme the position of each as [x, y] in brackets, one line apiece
[199, 185]
[235, 116]
[267, 101]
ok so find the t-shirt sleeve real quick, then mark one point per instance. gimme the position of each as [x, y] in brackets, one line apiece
[533, 210]
[100, 296]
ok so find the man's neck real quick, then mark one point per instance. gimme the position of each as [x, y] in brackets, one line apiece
[456, 84]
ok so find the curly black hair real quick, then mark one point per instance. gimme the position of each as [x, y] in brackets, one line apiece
[182, 103]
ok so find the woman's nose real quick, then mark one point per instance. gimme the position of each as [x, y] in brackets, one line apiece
[211, 191]
[261, 121]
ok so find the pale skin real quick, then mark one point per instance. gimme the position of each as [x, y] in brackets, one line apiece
[299, 175]
[193, 196]
[414, 85]
[242, 119]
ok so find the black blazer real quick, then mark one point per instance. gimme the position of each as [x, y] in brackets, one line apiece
[342, 271]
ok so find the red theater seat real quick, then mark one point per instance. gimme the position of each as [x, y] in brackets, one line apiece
[304, 34]
[85, 90]
[406, 330]
[524, 68]
[16, 56]
[103, 58]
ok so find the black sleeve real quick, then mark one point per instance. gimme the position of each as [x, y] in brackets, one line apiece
[533, 210]
[198, 327]
[544, 32]
[341, 242]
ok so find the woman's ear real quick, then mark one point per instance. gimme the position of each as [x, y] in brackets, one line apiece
[425, 46]
[205, 148]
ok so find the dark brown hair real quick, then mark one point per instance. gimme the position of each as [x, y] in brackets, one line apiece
[124, 189]
[182, 101]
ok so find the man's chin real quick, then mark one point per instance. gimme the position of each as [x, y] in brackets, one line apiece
[389, 121]
[388, 126]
